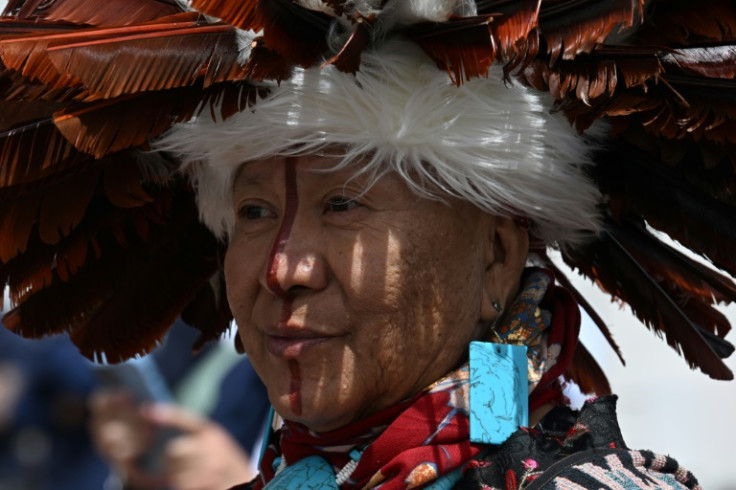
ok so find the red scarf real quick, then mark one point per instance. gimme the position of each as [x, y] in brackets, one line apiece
[427, 436]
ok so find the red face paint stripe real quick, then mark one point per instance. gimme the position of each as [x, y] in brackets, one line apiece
[290, 207]
[295, 392]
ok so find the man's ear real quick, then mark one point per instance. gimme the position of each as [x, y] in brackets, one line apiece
[506, 254]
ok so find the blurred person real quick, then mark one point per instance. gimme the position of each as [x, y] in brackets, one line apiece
[171, 444]
[44, 443]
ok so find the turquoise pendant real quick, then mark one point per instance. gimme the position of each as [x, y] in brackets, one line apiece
[499, 399]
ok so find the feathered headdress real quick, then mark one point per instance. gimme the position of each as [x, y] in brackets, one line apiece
[101, 237]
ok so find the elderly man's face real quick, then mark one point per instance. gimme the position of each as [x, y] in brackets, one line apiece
[348, 301]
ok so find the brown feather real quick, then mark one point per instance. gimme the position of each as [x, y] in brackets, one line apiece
[347, 59]
[30, 8]
[464, 46]
[29, 57]
[710, 61]
[685, 22]
[151, 283]
[63, 207]
[514, 29]
[107, 126]
[33, 151]
[17, 112]
[264, 64]
[638, 185]
[585, 371]
[29, 54]
[294, 32]
[239, 13]
[11, 26]
[600, 75]
[209, 312]
[589, 309]
[171, 56]
[11, 6]
[670, 267]
[141, 303]
[15, 88]
[123, 182]
[573, 27]
[17, 219]
[624, 278]
[32, 270]
[115, 12]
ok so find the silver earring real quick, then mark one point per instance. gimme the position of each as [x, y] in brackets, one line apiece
[497, 306]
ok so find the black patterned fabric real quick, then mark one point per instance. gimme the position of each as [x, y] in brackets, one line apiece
[574, 450]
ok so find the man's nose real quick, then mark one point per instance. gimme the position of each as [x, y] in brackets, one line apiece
[297, 259]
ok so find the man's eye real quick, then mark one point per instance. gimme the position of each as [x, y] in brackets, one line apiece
[252, 212]
[340, 204]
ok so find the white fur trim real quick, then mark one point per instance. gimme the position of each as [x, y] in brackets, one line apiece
[493, 144]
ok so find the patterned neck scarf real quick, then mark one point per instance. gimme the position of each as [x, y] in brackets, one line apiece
[426, 436]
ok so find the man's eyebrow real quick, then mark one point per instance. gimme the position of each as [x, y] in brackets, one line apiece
[249, 176]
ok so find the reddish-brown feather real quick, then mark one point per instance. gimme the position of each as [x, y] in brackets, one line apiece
[594, 316]
[707, 61]
[29, 8]
[669, 267]
[264, 64]
[17, 112]
[464, 46]
[63, 207]
[29, 57]
[347, 59]
[297, 34]
[209, 312]
[617, 272]
[573, 27]
[123, 182]
[514, 30]
[683, 22]
[115, 12]
[585, 371]
[239, 13]
[107, 126]
[170, 57]
[671, 199]
[33, 151]
[17, 219]
[109, 233]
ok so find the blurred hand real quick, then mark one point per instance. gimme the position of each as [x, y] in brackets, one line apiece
[12, 386]
[121, 435]
[204, 456]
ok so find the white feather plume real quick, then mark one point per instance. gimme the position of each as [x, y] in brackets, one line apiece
[490, 143]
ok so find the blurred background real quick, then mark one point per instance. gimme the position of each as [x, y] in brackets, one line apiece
[663, 406]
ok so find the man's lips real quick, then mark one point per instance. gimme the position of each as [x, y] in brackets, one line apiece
[290, 343]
